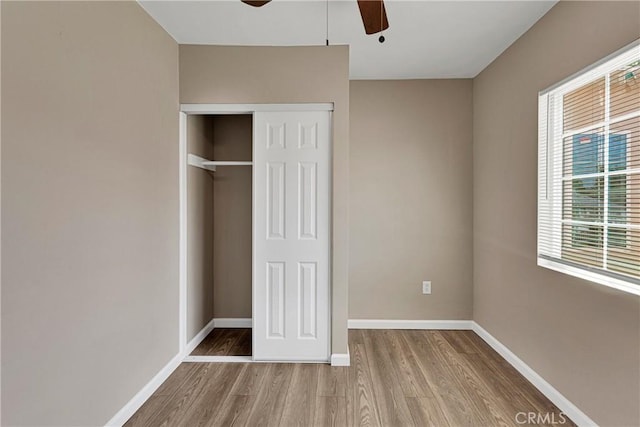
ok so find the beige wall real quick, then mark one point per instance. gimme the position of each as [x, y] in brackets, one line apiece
[90, 209]
[411, 199]
[224, 74]
[581, 337]
[232, 240]
[80, 99]
[200, 205]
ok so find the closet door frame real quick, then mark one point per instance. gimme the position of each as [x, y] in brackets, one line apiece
[185, 347]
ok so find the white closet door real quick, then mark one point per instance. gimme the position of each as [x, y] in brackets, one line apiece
[291, 235]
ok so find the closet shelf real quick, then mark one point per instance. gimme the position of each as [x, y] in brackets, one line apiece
[211, 165]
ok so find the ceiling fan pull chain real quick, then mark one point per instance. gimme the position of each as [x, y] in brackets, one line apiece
[327, 13]
[381, 38]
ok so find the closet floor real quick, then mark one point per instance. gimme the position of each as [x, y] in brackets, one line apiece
[225, 342]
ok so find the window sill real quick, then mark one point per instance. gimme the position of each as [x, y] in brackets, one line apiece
[601, 279]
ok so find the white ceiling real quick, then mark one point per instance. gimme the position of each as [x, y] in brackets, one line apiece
[425, 39]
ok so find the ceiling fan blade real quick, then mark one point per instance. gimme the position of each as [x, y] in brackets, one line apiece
[256, 3]
[374, 15]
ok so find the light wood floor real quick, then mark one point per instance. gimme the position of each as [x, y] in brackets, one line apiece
[396, 378]
[225, 342]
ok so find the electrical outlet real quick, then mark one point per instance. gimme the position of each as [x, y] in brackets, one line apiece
[426, 287]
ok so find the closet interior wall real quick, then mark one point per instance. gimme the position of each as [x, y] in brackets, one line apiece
[219, 256]
[232, 207]
[199, 227]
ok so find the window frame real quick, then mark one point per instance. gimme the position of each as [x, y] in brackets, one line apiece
[551, 177]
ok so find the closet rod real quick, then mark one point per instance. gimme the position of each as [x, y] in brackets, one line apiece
[210, 165]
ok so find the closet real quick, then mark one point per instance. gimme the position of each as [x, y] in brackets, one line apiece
[219, 181]
[256, 199]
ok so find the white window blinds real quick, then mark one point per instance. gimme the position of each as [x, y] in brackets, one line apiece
[589, 173]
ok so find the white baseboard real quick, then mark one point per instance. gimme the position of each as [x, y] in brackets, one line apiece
[409, 324]
[341, 359]
[199, 337]
[145, 393]
[238, 322]
[565, 405]
[134, 404]
[218, 359]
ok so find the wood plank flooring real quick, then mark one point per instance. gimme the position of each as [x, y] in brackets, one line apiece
[225, 342]
[396, 378]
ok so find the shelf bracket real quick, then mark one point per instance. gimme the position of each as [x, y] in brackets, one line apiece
[200, 162]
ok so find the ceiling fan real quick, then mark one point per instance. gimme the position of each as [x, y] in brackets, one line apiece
[373, 12]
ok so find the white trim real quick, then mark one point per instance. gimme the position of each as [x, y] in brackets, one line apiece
[293, 360]
[199, 337]
[145, 393]
[218, 359]
[253, 226]
[602, 279]
[341, 359]
[409, 324]
[551, 144]
[250, 108]
[182, 184]
[564, 404]
[243, 359]
[239, 322]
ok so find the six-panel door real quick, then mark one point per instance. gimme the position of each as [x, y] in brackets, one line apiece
[291, 235]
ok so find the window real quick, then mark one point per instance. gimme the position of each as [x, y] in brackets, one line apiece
[589, 173]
